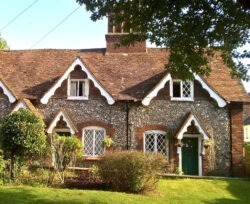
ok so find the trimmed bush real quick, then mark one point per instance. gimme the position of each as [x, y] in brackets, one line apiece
[131, 171]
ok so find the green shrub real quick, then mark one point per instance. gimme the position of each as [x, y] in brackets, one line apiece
[131, 171]
[2, 166]
[22, 138]
[247, 157]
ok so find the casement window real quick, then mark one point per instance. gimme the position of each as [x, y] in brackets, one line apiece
[78, 89]
[92, 138]
[247, 133]
[182, 90]
[156, 141]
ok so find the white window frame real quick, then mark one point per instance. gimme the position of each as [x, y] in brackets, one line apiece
[94, 139]
[181, 98]
[155, 141]
[86, 87]
[246, 133]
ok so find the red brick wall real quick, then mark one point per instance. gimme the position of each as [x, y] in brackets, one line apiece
[237, 139]
[113, 39]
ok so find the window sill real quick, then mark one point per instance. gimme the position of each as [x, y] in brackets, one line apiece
[182, 99]
[92, 158]
[77, 98]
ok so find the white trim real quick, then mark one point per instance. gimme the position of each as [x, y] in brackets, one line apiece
[52, 126]
[7, 92]
[146, 101]
[188, 123]
[155, 141]
[199, 153]
[51, 91]
[181, 98]
[19, 105]
[153, 93]
[220, 101]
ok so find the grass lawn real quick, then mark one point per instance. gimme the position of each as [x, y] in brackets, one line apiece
[170, 191]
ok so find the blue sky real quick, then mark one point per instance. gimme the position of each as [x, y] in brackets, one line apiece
[77, 32]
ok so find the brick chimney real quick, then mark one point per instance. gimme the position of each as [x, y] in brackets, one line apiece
[115, 32]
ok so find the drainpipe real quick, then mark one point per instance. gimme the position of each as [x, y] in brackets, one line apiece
[127, 125]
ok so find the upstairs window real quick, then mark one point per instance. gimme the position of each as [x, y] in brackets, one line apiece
[156, 141]
[78, 89]
[92, 138]
[182, 90]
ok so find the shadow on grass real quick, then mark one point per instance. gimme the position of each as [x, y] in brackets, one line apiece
[19, 195]
[239, 190]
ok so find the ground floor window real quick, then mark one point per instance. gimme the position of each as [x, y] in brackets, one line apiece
[156, 141]
[92, 138]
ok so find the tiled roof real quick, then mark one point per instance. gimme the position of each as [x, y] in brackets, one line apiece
[220, 80]
[30, 73]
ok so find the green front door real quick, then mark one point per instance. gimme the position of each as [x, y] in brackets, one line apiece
[190, 161]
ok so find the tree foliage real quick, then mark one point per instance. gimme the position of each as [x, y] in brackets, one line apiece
[3, 44]
[22, 137]
[191, 29]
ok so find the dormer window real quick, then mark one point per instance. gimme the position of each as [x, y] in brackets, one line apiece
[78, 89]
[182, 90]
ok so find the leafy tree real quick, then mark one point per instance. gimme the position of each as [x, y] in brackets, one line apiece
[3, 44]
[22, 138]
[65, 150]
[192, 30]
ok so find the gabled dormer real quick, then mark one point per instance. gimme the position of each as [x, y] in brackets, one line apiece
[182, 90]
[78, 78]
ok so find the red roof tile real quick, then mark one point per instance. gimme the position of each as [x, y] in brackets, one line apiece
[30, 73]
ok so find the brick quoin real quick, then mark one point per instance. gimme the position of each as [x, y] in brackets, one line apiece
[237, 139]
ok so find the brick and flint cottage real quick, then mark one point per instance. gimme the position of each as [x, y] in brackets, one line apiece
[127, 94]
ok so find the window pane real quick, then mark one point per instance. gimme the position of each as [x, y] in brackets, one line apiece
[99, 136]
[186, 89]
[88, 141]
[149, 142]
[162, 144]
[176, 89]
[73, 88]
[81, 88]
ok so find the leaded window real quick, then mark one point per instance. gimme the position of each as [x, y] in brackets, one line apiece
[92, 139]
[156, 141]
[182, 90]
